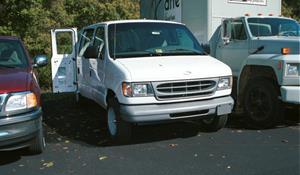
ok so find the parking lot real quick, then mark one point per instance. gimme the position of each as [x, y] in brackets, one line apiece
[78, 143]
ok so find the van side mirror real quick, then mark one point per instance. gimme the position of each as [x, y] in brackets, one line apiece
[40, 61]
[226, 31]
[206, 48]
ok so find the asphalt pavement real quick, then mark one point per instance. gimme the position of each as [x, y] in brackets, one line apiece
[78, 143]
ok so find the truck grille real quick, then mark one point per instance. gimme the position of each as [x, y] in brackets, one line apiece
[184, 89]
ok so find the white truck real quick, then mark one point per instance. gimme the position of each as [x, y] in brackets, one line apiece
[142, 71]
[262, 51]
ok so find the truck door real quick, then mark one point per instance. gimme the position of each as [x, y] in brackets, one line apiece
[63, 62]
[233, 50]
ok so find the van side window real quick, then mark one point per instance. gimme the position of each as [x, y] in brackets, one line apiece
[85, 41]
[238, 30]
[99, 40]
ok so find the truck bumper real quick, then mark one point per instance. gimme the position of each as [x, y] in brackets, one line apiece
[18, 131]
[290, 94]
[172, 111]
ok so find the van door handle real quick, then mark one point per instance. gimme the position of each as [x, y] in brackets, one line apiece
[90, 73]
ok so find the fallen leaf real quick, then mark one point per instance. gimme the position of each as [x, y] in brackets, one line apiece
[48, 164]
[67, 141]
[103, 157]
[173, 145]
[284, 141]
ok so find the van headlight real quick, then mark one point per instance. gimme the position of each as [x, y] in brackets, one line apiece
[292, 69]
[21, 101]
[137, 89]
[225, 83]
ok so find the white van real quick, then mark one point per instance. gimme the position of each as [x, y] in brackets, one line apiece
[143, 71]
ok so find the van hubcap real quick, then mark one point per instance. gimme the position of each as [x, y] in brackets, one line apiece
[112, 123]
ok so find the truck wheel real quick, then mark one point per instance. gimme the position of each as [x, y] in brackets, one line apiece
[119, 130]
[215, 123]
[38, 143]
[261, 104]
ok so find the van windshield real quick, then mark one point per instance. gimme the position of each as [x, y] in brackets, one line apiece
[151, 39]
[273, 27]
[12, 54]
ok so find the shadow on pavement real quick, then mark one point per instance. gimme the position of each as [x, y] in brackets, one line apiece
[7, 157]
[85, 123]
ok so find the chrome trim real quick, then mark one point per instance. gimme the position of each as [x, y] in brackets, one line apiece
[172, 90]
[3, 98]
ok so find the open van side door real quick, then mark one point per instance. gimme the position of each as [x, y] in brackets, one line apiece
[63, 61]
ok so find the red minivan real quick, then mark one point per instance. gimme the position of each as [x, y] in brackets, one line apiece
[20, 105]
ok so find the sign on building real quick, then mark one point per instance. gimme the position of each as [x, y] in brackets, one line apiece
[253, 2]
[172, 10]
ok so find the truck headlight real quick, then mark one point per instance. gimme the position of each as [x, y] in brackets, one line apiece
[137, 89]
[225, 83]
[292, 69]
[21, 101]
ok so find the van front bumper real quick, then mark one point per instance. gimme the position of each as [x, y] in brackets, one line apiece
[173, 111]
[18, 131]
[290, 94]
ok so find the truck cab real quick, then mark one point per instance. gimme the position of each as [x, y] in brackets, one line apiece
[263, 53]
[142, 72]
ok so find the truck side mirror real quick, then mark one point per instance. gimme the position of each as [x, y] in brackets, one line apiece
[226, 32]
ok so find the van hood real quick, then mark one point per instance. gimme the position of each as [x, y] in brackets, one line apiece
[274, 44]
[13, 80]
[174, 68]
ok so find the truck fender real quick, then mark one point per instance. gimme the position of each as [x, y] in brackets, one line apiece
[264, 65]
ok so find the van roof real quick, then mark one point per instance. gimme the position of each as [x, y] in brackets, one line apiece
[135, 21]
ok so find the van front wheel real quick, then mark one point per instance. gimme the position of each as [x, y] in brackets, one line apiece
[119, 130]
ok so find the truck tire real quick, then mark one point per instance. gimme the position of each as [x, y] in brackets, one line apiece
[214, 124]
[118, 129]
[261, 104]
[38, 143]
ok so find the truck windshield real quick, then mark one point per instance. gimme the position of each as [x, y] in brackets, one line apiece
[151, 39]
[12, 54]
[273, 27]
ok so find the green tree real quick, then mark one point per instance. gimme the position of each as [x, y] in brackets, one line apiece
[32, 20]
[291, 8]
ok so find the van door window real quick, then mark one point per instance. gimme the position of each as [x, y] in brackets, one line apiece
[85, 41]
[64, 42]
[99, 41]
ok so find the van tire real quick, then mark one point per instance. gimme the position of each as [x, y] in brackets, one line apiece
[118, 129]
[38, 143]
[214, 124]
[261, 105]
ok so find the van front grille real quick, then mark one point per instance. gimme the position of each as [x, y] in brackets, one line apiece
[184, 89]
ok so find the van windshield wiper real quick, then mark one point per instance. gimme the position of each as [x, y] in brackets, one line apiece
[185, 51]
